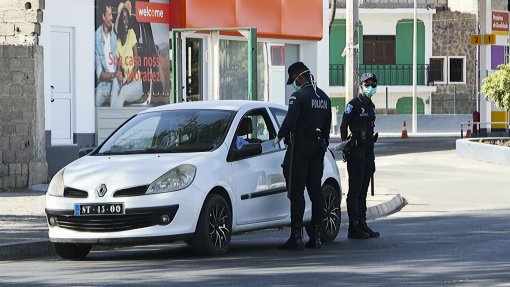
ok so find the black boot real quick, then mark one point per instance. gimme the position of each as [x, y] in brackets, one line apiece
[295, 241]
[356, 231]
[366, 229]
[315, 238]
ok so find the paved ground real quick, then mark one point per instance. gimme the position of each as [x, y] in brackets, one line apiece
[23, 229]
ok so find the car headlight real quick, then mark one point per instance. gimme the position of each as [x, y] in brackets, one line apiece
[56, 187]
[177, 178]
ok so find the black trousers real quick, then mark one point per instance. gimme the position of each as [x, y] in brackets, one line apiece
[361, 167]
[307, 169]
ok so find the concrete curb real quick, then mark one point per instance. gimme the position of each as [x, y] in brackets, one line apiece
[25, 250]
[471, 148]
[393, 205]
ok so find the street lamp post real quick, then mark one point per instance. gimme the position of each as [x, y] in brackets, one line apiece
[415, 116]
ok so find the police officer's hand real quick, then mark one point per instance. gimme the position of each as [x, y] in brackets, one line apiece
[276, 141]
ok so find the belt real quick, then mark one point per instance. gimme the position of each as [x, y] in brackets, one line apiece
[311, 133]
[364, 137]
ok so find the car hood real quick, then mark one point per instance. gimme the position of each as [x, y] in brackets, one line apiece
[120, 171]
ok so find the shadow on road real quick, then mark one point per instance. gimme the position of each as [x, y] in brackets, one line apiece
[426, 250]
[394, 145]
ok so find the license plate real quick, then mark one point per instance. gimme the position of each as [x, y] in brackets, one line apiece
[98, 209]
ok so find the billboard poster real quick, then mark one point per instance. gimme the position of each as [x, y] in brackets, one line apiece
[132, 61]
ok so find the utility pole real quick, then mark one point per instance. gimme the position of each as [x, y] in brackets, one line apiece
[352, 49]
[485, 21]
[415, 38]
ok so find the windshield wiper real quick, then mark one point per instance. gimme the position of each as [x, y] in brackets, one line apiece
[108, 152]
[155, 150]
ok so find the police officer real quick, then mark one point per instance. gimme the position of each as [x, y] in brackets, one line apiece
[359, 116]
[306, 132]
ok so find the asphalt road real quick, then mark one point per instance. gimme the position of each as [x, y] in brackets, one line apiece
[454, 231]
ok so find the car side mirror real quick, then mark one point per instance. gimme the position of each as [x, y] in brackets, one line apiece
[85, 151]
[247, 150]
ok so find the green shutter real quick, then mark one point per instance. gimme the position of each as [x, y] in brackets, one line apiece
[404, 39]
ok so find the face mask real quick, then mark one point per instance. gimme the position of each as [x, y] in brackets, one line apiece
[369, 91]
[295, 86]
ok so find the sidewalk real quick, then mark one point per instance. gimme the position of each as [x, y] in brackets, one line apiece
[24, 231]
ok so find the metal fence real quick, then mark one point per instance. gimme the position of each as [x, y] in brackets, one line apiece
[481, 129]
[387, 75]
[388, 102]
[336, 75]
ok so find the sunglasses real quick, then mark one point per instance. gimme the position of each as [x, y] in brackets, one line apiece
[373, 85]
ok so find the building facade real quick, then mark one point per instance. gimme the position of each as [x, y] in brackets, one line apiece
[386, 49]
[61, 114]
[447, 63]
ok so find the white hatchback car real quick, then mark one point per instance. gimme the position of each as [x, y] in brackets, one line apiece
[197, 172]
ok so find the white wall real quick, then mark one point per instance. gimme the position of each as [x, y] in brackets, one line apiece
[464, 6]
[78, 14]
[315, 55]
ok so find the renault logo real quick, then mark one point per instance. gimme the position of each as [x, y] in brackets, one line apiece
[101, 190]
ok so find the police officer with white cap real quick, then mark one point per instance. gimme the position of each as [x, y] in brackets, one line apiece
[306, 131]
[359, 117]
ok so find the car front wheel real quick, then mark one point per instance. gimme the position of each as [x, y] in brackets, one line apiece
[214, 228]
[332, 215]
[72, 251]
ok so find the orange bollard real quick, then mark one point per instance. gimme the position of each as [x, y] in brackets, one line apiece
[404, 131]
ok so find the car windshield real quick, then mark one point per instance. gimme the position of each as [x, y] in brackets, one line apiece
[170, 131]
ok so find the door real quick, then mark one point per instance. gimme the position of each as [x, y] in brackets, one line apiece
[261, 195]
[62, 85]
[194, 70]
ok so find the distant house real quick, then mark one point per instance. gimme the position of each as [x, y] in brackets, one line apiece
[446, 58]
[386, 49]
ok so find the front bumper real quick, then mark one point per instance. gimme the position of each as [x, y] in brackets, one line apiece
[133, 218]
[141, 222]
[136, 226]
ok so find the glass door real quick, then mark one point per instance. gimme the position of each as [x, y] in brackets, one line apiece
[194, 71]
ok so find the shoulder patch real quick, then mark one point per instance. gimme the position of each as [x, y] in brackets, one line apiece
[348, 109]
[292, 98]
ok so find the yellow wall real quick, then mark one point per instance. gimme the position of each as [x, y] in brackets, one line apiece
[499, 117]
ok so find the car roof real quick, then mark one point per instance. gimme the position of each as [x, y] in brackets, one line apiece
[229, 105]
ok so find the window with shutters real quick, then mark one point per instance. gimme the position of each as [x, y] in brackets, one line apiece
[379, 50]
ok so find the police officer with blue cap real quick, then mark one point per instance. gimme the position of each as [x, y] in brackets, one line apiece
[359, 117]
[306, 132]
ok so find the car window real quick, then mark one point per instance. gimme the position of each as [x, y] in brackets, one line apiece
[170, 131]
[255, 127]
[279, 115]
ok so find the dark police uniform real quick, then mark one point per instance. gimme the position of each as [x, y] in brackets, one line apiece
[308, 111]
[360, 116]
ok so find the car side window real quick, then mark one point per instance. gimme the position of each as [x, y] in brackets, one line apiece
[255, 127]
[279, 115]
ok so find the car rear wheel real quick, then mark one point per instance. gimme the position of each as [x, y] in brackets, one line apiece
[332, 215]
[72, 251]
[214, 228]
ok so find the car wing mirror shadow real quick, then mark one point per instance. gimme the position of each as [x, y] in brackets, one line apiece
[85, 151]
